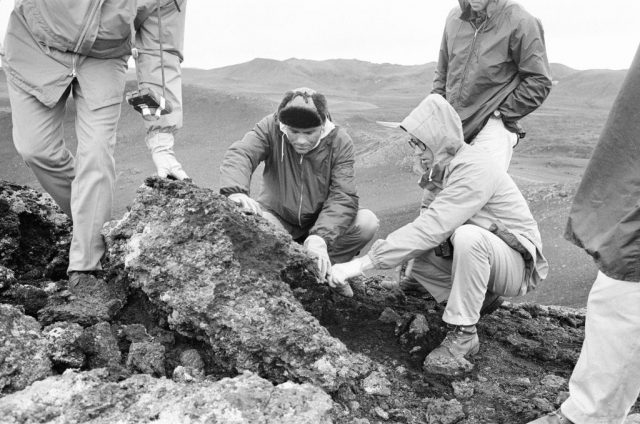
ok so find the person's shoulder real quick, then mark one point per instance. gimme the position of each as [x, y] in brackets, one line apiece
[271, 119]
[268, 124]
[454, 13]
[340, 136]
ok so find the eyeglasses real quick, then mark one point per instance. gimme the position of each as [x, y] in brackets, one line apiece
[414, 142]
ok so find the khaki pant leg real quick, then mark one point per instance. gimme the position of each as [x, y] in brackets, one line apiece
[94, 184]
[355, 238]
[481, 262]
[498, 140]
[38, 136]
[434, 274]
[606, 379]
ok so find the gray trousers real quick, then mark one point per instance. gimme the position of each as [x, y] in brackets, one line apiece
[83, 185]
[481, 261]
[606, 380]
[355, 238]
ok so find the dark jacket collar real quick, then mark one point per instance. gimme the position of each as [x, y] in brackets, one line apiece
[493, 7]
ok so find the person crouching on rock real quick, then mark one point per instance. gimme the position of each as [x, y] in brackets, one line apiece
[309, 187]
[495, 241]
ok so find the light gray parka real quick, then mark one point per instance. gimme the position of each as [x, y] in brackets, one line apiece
[475, 191]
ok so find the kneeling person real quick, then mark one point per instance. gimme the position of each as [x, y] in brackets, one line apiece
[308, 187]
[496, 241]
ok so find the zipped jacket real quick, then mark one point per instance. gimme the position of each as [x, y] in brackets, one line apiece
[475, 191]
[51, 42]
[315, 192]
[500, 64]
[605, 215]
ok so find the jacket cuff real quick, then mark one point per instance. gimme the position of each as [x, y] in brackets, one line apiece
[226, 191]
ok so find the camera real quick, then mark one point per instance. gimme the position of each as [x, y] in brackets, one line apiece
[148, 103]
[444, 249]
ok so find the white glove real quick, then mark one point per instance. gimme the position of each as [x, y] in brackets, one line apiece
[161, 147]
[317, 247]
[247, 204]
[340, 273]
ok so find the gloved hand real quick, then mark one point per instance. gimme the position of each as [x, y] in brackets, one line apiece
[340, 273]
[161, 147]
[317, 248]
[247, 204]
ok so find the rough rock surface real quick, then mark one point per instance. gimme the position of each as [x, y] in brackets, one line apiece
[32, 228]
[89, 398]
[23, 350]
[99, 343]
[63, 345]
[204, 264]
[222, 292]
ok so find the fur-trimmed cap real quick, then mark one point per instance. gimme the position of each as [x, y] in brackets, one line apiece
[303, 108]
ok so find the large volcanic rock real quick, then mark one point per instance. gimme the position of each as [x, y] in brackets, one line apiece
[34, 232]
[211, 293]
[23, 350]
[89, 398]
[215, 273]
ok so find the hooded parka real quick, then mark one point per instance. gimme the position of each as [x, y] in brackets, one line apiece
[605, 215]
[499, 63]
[315, 192]
[475, 191]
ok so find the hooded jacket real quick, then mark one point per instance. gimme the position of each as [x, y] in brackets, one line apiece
[51, 42]
[475, 191]
[605, 215]
[500, 64]
[315, 192]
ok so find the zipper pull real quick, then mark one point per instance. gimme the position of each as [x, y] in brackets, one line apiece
[73, 73]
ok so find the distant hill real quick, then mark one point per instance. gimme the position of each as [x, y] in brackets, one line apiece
[221, 104]
[339, 77]
[560, 71]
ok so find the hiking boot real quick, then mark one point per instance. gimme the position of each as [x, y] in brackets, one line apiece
[92, 300]
[450, 357]
[555, 417]
[491, 303]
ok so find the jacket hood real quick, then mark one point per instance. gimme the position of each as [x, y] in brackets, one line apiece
[435, 122]
[492, 8]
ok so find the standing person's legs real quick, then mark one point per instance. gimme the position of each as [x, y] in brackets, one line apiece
[606, 379]
[498, 140]
[94, 184]
[355, 238]
[38, 136]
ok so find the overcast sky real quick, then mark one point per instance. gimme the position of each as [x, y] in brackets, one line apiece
[582, 34]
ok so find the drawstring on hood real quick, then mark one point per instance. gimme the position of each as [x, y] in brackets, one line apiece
[435, 122]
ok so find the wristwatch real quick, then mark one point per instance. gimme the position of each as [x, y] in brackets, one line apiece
[497, 114]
